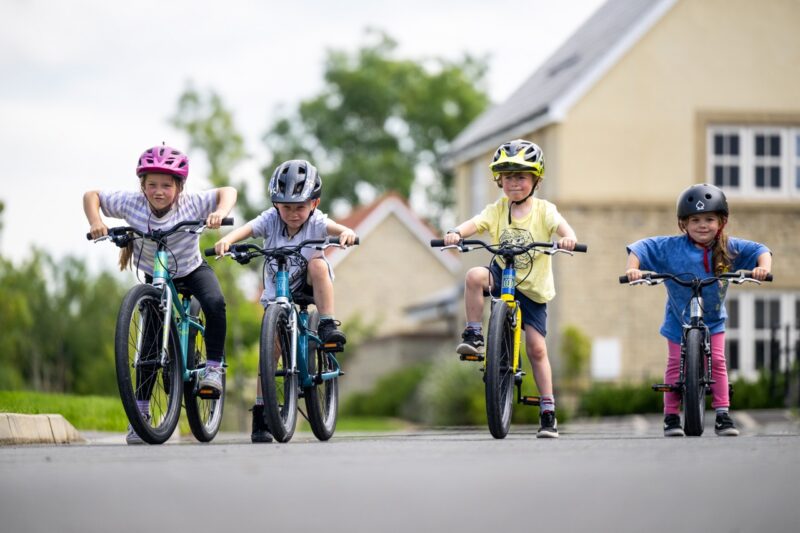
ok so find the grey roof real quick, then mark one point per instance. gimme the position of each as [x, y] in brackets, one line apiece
[545, 96]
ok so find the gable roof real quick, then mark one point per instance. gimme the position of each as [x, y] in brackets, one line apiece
[364, 219]
[563, 78]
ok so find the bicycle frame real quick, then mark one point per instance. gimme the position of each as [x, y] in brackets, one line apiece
[507, 291]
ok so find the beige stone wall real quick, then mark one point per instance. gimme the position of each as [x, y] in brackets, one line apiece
[389, 270]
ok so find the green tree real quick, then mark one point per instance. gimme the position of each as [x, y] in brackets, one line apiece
[379, 119]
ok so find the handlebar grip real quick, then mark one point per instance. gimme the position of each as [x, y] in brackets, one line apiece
[769, 277]
[436, 243]
[226, 222]
[89, 237]
[580, 248]
[357, 241]
[209, 252]
[623, 279]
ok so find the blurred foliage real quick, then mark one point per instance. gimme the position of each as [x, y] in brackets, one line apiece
[99, 413]
[576, 352]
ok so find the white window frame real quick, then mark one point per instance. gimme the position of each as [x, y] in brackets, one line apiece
[788, 161]
[747, 335]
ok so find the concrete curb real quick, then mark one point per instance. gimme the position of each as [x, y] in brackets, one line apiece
[37, 429]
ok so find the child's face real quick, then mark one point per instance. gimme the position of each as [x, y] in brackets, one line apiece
[160, 190]
[702, 228]
[517, 185]
[295, 215]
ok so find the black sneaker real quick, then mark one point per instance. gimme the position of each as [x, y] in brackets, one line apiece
[549, 426]
[260, 430]
[672, 426]
[724, 426]
[471, 343]
[328, 331]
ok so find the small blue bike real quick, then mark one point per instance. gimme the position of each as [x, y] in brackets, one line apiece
[293, 362]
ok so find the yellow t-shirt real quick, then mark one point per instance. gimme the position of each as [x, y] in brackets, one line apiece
[539, 226]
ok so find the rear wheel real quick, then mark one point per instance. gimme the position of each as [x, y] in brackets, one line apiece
[204, 414]
[278, 381]
[694, 393]
[141, 374]
[499, 370]
[322, 398]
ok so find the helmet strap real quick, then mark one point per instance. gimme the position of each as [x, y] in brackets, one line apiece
[520, 202]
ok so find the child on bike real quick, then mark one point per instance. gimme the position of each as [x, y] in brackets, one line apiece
[295, 189]
[704, 250]
[160, 203]
[518, 169]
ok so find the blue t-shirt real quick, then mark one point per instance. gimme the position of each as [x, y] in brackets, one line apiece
[677, 255]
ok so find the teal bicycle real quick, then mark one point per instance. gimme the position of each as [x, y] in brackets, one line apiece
[159, 347]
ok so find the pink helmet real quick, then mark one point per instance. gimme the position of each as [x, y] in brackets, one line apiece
[163, 160]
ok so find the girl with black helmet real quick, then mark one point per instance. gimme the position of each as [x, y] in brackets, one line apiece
[295, 189]
[517, 168]
[703, 249]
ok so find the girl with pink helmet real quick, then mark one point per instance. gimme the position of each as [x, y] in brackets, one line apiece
[160, 202]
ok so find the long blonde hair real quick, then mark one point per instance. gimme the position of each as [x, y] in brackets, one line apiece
[720, 252]
[126, 254]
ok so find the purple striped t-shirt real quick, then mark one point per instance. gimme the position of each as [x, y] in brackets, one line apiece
[132, 207]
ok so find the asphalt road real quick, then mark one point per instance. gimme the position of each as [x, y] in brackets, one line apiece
[611, 475]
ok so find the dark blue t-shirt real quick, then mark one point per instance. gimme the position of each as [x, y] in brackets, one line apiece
[677, 255]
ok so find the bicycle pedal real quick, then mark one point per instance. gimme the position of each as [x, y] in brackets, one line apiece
[664, 387]
[529, 400]
[477, 357]
[207, 393]
[333, 347]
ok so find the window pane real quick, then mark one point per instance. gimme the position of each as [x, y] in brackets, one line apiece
[760, 350]
[718, 181]
[733, 172]
[760, 181]
[797, 177]
[774, 145]
[797, 145]
[733, 354]
[733, 314]
[774, 313]
[733, 140]
[775, 177]
[759, 145]
[759, 315]
[718, 148]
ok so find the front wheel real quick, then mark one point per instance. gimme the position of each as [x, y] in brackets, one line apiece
[278, 379]
[203, 414]
[694, 389]
[322, 397]
[499, 370]
[142, 376]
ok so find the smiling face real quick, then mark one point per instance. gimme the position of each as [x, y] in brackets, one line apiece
[702, 228]
[517, 185]
[295, 215]
[160, 190]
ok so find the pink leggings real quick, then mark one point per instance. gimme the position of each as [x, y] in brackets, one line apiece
[719, 373]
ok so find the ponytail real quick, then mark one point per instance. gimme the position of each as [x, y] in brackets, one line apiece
[125, 257]
[720, 251]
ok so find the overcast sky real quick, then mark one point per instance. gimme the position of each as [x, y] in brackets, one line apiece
[88, 85]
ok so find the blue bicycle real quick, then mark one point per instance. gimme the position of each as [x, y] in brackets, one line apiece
[293, 361]
[159, 347]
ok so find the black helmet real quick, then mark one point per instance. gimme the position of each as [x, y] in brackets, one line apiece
[295, 182]
[702, 198]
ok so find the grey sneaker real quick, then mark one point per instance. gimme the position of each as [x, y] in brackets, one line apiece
[672, 426]
[724, 426]
[212, 379]
[549, 426]
[133, 438]
[471, 343]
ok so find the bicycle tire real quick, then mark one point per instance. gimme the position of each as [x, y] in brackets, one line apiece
[499, 370]
[322, 399]
[278, 385]
[161, 385]
[203, 414]
[694, 395]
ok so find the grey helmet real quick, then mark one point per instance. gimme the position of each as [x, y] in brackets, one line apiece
[294, 182]
[702, 198]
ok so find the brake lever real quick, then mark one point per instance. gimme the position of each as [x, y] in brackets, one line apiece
[556, 251]
[743, 279]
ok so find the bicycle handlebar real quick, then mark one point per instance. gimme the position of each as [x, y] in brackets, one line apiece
[741, 274]
[520, 249]
[250, 250]
[121, 230]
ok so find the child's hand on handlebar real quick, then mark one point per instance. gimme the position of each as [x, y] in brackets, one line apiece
[567, 243]
[98, 230]
[347, 237]
[221, 246]
[760, 273]
[214, 220]
[451, 238]
[634, 274]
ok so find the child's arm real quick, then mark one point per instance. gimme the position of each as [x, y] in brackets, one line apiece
[91, 206]
[239, 234]
[462, 231]
[632, 268]
[226, 199]
[763, 267]
[347, 237]
[568, 239]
